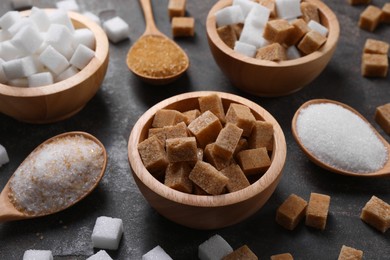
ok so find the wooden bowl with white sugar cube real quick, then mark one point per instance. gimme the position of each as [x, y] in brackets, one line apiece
[244, 43]
[60, 62]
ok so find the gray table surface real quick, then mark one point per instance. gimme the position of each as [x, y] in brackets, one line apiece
[122, 99]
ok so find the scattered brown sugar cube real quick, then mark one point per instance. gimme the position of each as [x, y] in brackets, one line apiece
[153, 155]
[176, 8]
[385, 18]
[237, 179]
[310, 12]
[317, 210]
[241, 116]
[311, 42]
[382, 117]
[254, 161]
[376, 213]
[272, 52]
[205, 128]
[242, 145]
[228, 35]
[182, 149]
[167, 117]
[359, 2]
[227, 140]
[291, 212]
[183, 26]
[374, 65]
[262, 135]
[242, 253]
[370, 18]
[213, 103]
[376, 47]
[285, 256]
[191, 115]
[270, 4]
[277, 30]
[208, 178]
[214, 159]
[300, 29]
[166, 132]
[176, 177]
[349, 253]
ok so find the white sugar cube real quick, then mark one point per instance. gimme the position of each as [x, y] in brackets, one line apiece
[107, 232]
[84, 36]
[60, 38]
[316, 26]
[53, 60]
[156, 253]
[9, 19]
[258, 16]
[214, 248]
[101, 255]
[288, 9]
[92, 16]
[245, 48]
[9, 51]
[253, 35]
[293, 53]
[37, 254]
[40, 18]
[246, 5]
[82, 56]
[61, 17]
[69, 72]
[3, 78]
[40, 79]
[229, 15]
[27, 39]
[21, 82]
[16, 27]
[116, 29]
[19, 68]
[4, 35]
[68, 5]
[3, 156]
[21, 4]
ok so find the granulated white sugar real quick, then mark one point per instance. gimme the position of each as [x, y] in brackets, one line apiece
[56, 175]
[340, 138]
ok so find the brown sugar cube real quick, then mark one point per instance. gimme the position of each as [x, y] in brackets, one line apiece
[359, 2]
[349, 253]
[213, 103]
[182, 149]
[382, 117]
[311, 42]
[198, 190]
[317, 210]
[270, 4]
[300, 29]
[205, 128]
[277, 30]
[227, 140]
[374, 65]
[376, 213]
[241, 116]
[176, 177]
[183, 26]
[291, 212]
[272, 52]
[370, 18]
[191, 115]
[166, 132]
[208, 178]
[385, 18]
[376, 47]
[153, 155]
[228, 35]
[176, 8]
[241, 253]
[262, 135]
[254, 161]
[214, 159]
[167, 117]
[285, 256]
[241, 145]
[237, 178]
[310, 12]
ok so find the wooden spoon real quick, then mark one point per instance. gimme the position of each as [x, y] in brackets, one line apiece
[155, 58]
[384, 171]
[9, 212]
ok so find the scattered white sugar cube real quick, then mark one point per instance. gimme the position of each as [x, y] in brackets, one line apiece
[53, 60]
[9, 51]
[27, 39]
[288, 9]
[32, 254]
[92, 16]
[101, 255]
[214, 248]
[156, 253]
[258, 16]
[84, 36]
[116, 29]
[21, 4]
[245, 48]
[69, 72]
[316, 26]
[3, 78]
[19, 68]
[4, 35]
[40, 18]
[9, 19]
[40, 79]
[246, 5]
[293, 53]
[229, 15]
[61, 17]
[107, 233]
[22, 82]
[68, 5]
[253, 35]
[82, 56]
[3, 156]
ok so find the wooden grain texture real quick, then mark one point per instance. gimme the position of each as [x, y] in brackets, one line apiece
[205, 212]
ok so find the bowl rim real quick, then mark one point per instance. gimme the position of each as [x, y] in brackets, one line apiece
[101, 54]
[332, 38]
[270, 176]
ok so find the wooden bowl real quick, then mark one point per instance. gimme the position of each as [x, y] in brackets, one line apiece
[267, 78]
[63, 99]
[200, 211]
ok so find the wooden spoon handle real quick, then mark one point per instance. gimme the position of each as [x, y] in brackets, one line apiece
[151, 27]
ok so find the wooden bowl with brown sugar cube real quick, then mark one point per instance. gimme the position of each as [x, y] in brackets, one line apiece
[276, 55]
[207, 160]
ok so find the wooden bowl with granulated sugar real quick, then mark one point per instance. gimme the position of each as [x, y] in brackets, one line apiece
[205, 211]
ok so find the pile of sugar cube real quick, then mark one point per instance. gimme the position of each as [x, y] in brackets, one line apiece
[271, 29]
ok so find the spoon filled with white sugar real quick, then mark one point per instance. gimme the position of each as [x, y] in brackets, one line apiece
[338, 138]
[57, 174]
